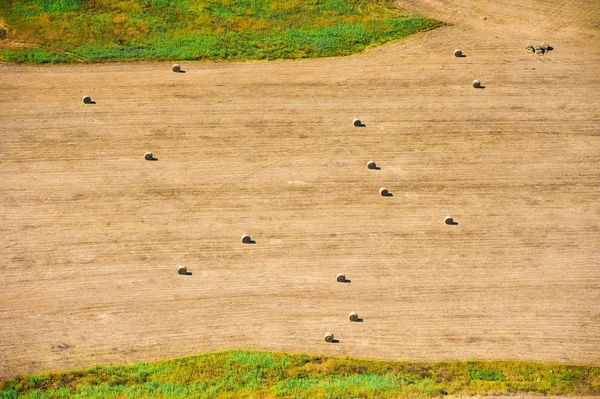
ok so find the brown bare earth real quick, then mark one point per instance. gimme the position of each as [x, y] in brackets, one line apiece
[92, 234]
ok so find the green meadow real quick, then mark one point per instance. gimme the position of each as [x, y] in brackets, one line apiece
[72, 31]
[250, 374]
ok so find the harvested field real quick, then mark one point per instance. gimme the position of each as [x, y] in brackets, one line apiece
[268, 148]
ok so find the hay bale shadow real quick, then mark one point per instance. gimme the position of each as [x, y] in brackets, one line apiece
[450, 221]
[384, 192]
[346, 281]
[359, 320]
[372, 165]
[247, 240]
[188, 273]
[335, 341]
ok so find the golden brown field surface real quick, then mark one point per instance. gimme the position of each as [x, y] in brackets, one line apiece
[92, 234]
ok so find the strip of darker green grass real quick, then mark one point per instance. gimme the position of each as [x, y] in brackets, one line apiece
[259, 374]
[56, 31]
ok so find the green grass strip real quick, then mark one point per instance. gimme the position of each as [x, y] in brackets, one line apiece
[263, 374]
[71, 31]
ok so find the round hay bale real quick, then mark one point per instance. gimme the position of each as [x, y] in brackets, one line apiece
[458, 53]
[148, 156]
[246, 239]
[476, 84]
[181, 270]
[383, 192]
[353, 316]
[545, 46]
[328, 337]
[341, 278]
[448, 220]
[357, 122]
[371, 165]
[176, 68]
[87, 99]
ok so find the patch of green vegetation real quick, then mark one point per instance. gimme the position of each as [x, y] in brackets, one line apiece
[97, 30]
[260, 374]
[480, 374]
[34, 56]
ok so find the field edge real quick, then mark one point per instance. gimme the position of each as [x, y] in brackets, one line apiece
[253, 372]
